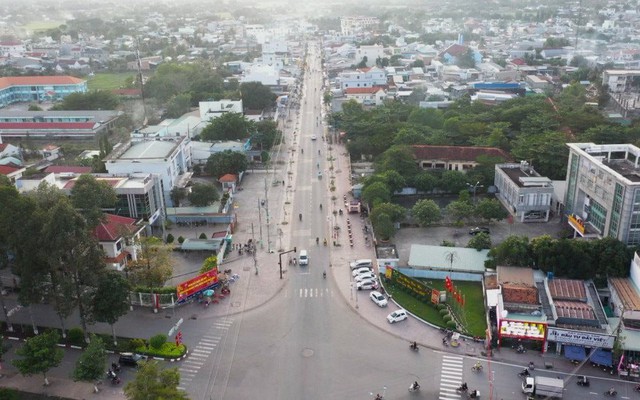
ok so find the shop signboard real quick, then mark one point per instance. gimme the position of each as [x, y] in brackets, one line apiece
[194, 285]
[577, 338]
[522, 329]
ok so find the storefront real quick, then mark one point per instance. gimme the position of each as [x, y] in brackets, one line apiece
[521, 330]
[578, 346]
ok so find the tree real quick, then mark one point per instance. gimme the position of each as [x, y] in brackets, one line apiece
[490, 209]
[111, 300]
[394, 181]
[383, 226]
[394, 211]
[153, 383]
[90, 196]
[425, 181]
[467, 59]
[228, 126]
[480, 241]
[227, 162]
[94, 100]
[177, 194]
[39, 354]
[91, 363]
[426, 212]
[266, 133]
[256, 96]
[514, 251]
[203, 195]
[452, 181]
[208, 264]
[400, 159]
[376, 192]
[178, 105]
[460, 210]
[153, 266]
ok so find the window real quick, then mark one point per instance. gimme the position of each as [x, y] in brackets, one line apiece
[597, 216]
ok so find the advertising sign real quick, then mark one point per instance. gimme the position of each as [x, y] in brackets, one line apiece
[198, 283]
[435, 296]
[521, 329]
[587, 339]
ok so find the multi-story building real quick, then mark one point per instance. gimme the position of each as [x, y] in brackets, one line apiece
[210, 110]
[15, 89]
[57, 124]
[603, 191]
[370, 54]
[620, 80]
[525, 193]
[350, 26]
[362, 78]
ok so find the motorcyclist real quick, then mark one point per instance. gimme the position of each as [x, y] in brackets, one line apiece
[525, 372]
[324, 241]
[317, 240]
[464, 387]
[414, 346]
[320, 206]
[415, 385]
[612, 391]
[473, 394]
[324, 274]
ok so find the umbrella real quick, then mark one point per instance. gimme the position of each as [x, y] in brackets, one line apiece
[208, 293]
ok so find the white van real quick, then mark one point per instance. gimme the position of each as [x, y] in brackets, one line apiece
[304, 258]
[361, 263]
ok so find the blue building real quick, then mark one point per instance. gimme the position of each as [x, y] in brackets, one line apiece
[18, 89]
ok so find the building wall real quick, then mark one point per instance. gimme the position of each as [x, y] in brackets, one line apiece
[28, 93]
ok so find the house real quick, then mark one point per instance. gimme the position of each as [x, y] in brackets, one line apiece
[15, 89]
[51, 152]
[9, 150]
[371, 53]
[119, 237]
[454, 158]
[454, 52]
[372, 96]
[362, 77]
[523, 192]
[228, 182]
[57, 124]
[210, 110]
[11, 172]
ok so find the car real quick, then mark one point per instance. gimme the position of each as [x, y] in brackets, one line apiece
[397, 316]
[130, 359]
[367, 275]
[313, 137]
[367, 284]
[361, 270]
[378, 298]
[479, 229]
[361, 263]
[319, 174]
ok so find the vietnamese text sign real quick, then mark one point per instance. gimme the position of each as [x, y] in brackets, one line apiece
[435, 296]
[198, 283]
[588, 339]
[522, 329]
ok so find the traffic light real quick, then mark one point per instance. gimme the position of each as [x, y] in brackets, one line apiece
[448, 284]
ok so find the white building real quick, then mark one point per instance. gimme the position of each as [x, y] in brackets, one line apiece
[524, 193]
[210, 110]
[361, 78]
[372, 96]
[371, 52]
[350, 26]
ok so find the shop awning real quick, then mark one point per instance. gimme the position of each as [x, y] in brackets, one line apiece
[574, 353]
[602, 357]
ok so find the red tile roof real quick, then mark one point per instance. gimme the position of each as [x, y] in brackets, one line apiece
[626, 292]
[6, 170]
[3, 146]
[38, 81]
[364, 90]
[112, 229]
[456, 153]
[47, 125]
[228, 178]
[57, 169]
[574, 309]
[567, 289]
[455, 50]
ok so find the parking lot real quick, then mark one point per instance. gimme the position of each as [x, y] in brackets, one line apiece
[434, 236]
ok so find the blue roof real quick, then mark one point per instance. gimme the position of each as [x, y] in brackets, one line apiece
[496, 85]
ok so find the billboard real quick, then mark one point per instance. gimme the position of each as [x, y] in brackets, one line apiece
[194, 285]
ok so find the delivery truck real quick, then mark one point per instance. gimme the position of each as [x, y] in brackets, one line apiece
[542, 386]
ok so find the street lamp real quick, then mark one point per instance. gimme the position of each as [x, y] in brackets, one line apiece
[475, 188]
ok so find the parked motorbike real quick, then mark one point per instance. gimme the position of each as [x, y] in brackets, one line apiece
[611, 392]
[583, 381]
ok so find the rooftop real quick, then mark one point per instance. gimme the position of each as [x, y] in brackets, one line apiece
[524, 175]
[149, 150]
[447, 258]
[38, 81]
[457, 153]
[618, 159]
[567, 289]
[626, 292]
[519, 276]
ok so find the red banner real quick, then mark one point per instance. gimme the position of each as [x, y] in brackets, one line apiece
[198, 283]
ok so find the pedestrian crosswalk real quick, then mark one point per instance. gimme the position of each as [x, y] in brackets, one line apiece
[199, 354]
[450, 377]
[312, 292]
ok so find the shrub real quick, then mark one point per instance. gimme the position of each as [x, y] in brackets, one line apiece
[441, 306]
[451, 324]
[170, 238]
[76, 336]
[167, 350]
[443, 311]
[157, 341]
[202, 236]
[135, 343]
[9, 394]
[447, 317]
[180, 239]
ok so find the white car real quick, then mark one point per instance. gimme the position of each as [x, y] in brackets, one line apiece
[367, 284]
[397, 316]
[366, 276]
[313, 137]
[378, 298]
[360, 271]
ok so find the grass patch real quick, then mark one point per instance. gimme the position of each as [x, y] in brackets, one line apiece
[108, 81]
[168, 350]
[36, 26]
[473, 311]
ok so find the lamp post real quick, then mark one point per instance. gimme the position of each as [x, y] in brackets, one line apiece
[475, 188]
[280, 258]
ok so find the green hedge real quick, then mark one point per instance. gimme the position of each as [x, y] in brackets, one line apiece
[158, 290]
[168, 350]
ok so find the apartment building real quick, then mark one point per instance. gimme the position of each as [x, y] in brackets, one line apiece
[16, 89]
[603, 191]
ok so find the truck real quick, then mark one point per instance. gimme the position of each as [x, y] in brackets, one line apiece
[542, 386]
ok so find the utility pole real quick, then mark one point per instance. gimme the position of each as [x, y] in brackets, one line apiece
[260, 222]
[266, 207]
[255, 249]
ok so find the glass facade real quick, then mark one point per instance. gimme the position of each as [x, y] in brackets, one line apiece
[616, 211]
[634, 225]
[597, 215]
[572, 181]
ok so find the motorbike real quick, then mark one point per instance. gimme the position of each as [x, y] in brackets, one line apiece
[476, 368]
[611, 392]
[525, 373]
[113, 377]
[520, 349]
[474, 394]
[637, 388]
[414, 347]
[583, 381]
[462, 388]
[414, 388]
[300, 217]
[324, 242]
[324, 275]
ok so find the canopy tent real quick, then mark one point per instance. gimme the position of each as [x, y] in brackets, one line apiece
[602, 357]
[574, 353]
